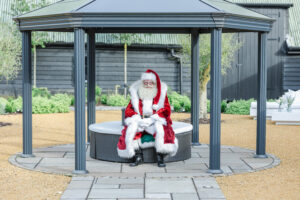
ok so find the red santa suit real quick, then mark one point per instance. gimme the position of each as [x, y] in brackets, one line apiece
[161, 129]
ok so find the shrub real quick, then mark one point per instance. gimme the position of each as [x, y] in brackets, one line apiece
[103, 98]
[179, 102]
[40, 92]
[223, 106]
[3, 103]
[240, 107]
[117, 100]
[14, 105]
[59, 103]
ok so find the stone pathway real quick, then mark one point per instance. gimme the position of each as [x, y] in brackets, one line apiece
[117, 181]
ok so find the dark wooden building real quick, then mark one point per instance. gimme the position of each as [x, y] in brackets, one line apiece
[55, 63]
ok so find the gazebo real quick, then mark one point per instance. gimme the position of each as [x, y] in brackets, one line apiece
[193, 17]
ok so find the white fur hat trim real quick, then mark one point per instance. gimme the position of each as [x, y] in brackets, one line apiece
[148, 76]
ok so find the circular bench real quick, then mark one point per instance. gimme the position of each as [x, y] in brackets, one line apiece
[104, 139]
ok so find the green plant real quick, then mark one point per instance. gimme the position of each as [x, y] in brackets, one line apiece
[103, 98]
[14, 105]
[240, 107]
[223, 106]
[3, 103]
[10, 51]
[117, 100]
[179, 102]
[40, 92]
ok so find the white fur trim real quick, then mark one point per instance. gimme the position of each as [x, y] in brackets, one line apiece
[134, 95]
[134, 118]
[155, 107]
[131, 145]
[135, 98]
[146, 145]
[148, 76]
[159, 119]
[160, 146]
[163, 94]
[147, 106]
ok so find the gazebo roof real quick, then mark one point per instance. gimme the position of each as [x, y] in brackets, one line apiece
[144, 15]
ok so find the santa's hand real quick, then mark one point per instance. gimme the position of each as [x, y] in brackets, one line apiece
[146, 122]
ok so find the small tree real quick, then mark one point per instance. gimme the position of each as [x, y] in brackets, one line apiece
[10, 52]
[126, 39]
[229, 46]
[38, 38]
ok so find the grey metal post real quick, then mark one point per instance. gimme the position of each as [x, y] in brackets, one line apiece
[91, 81]
[195, 86]
[215, 102]
[262, 96]
[27, 97]
[80, 146]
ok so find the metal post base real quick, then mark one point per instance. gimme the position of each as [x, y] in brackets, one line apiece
[260, 156]
[80, 172]
[215, 171]
[196, 144]
[27, 155]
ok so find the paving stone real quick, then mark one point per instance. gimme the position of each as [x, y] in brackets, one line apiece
[69, 155]
[103, 186]
[242, 150]
[82, 178]
[211, 194]
[53, 154]
[146, 167]
[206, 183]
[57, 162]
[145, 199]
[116, 193]
[192, 196]
[177, 175]
[120, 180]
[101, 199]
[258, 162]
[190, 166]
[79, 185]
[30, 160]
[72, 194]
[158, 196]
[195, 155]
[239, 166]
[132, 186]
[226, 170]
[169, 185]
[196, 160]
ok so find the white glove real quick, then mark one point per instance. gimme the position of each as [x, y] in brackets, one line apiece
[146, 122]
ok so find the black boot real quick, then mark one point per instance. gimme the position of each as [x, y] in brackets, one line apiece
[137, 159]
[160, 160]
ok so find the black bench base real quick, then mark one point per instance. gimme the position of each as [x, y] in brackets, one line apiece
[103, 146]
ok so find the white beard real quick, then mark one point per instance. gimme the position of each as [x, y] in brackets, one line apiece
[147, 93]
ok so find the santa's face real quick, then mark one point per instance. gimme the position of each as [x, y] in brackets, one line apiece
[147, 89]
[148, 83]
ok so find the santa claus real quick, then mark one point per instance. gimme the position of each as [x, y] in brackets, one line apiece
[147, 121]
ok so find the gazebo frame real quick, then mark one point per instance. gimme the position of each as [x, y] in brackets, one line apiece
[210, 16]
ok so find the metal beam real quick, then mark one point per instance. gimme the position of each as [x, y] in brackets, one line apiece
[195, 86]
[27, 96]
[80, 145]
[262, 96]
[91, 61]
[215, 102]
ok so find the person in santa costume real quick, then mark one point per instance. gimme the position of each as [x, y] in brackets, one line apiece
[147, 121]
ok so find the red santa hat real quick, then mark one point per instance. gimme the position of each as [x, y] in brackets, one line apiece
[152, 75]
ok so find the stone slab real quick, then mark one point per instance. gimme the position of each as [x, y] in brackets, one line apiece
[116, 193]
[169, 185]
[192, 196]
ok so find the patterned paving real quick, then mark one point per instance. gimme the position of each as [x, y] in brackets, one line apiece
[178, 180]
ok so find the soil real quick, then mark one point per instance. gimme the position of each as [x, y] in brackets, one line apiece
[281, 182]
